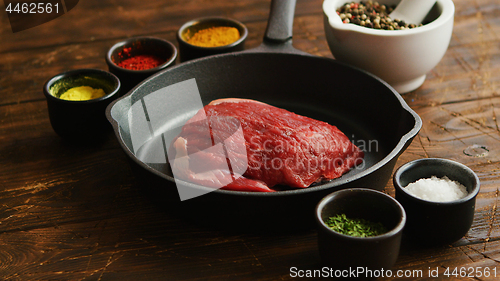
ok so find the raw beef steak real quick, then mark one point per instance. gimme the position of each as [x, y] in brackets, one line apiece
[246, 145]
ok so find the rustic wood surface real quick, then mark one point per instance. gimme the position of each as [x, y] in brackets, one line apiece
[74, 212]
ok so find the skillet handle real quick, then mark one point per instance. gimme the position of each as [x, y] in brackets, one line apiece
[280, 24]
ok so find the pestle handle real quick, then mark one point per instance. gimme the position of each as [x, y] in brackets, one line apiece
[412, 11]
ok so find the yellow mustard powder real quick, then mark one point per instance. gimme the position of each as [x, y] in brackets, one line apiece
[82, 93]
[215, 36]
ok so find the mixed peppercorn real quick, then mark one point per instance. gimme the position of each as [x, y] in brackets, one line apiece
[372, 15]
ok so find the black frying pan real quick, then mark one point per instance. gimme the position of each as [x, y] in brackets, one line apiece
[364, 107]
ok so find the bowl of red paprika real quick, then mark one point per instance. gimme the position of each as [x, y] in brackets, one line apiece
[137, 58]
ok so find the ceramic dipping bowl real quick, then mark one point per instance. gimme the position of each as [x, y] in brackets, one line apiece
[80, 120]
[436, 223]
[163, 49]
[341, 251]
[402, 58]
[189, 51]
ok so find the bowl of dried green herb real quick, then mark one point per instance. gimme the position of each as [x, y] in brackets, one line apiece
[359, 228]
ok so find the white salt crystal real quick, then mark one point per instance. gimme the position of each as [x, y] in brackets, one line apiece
[437, 189]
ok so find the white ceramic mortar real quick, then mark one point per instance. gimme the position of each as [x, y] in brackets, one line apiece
[400, 57]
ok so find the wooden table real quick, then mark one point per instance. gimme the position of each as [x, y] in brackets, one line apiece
[75, 212]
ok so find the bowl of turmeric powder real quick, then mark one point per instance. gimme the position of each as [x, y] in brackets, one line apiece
[77, 100]
[210, 36]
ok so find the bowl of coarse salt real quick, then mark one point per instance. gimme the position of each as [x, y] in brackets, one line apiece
[439, 197]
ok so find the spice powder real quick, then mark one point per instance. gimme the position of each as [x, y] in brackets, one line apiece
[215, 36]
[141, 62]
[82, 93]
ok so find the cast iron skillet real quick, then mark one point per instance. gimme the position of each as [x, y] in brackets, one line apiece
[363, 106]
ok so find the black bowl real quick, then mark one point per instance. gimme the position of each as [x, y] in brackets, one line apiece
[341, 252]
[80, 120]
[436, 223]
[188, 51]
[139, 46]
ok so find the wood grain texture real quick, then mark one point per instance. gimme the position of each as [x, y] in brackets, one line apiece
[76, 212]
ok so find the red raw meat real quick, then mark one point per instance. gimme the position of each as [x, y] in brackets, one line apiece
[282, 148]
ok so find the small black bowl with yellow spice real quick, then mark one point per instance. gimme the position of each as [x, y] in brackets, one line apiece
[359, 228]
[77, 100]
[210, 36]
